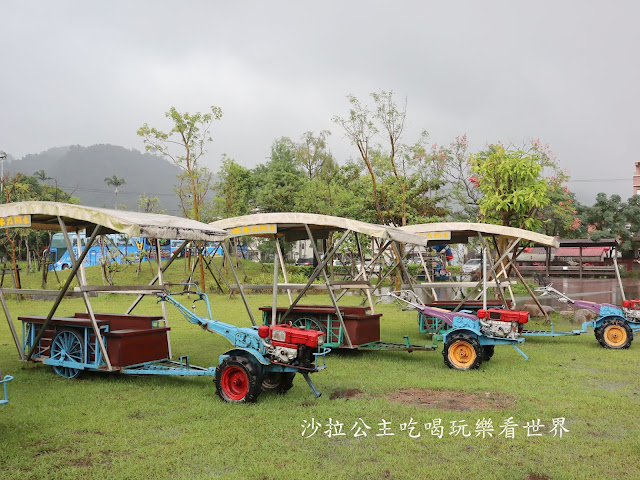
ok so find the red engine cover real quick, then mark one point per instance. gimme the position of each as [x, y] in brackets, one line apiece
[634, 304]
[296, 336]
[502, 315]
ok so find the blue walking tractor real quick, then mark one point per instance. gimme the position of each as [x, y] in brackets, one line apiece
[469, 339]
[613, 327]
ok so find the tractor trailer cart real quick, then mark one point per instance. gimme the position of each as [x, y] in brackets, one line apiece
[261, 358]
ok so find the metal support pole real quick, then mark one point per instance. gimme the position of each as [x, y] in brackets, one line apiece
[315, 274]
[401, 264]
[326, 281]
[363, 272]
[11, 326]
[225, 251]
[493, 271]
[484, 276]
[82, 283]
[164, 304]
[155, 279]
[274, 300]
[283, 267]
[427, 274]
[64, 289]
[614, 254]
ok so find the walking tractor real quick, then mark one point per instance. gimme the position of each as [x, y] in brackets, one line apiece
[469, 339]
[613, 328]
[262, 358]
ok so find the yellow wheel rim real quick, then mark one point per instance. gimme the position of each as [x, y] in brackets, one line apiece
[462, 354]
[615, 335]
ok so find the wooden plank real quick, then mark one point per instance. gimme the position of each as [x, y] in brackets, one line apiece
[39, 292]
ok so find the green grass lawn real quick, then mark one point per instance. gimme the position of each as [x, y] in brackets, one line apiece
[118, 426]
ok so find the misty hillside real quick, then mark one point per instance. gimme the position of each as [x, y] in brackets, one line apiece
[81, 171]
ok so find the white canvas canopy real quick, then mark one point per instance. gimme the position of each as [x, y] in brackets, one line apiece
[291, 225]
[44, 216]
[461, 231]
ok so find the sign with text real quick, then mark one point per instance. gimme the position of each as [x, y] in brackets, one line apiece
[261, 229]
[15, 221]
[437, 235]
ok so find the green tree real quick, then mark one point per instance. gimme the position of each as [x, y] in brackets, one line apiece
[360, 129]
[512, 185]
[609, 218]
[115, 182]
[463, 195]
[184, 145]
[149, 204]
[397, 171]
[234, 190]
[560, 216]
[312, 153]
[278, 182]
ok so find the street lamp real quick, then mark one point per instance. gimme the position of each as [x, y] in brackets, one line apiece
[3, 157]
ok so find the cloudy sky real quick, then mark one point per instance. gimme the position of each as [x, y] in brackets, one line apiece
[566, 72]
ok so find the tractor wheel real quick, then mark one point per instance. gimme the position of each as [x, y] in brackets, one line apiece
[67, 346]
[462, 352]
[614, 333]
[238, 380]
[278, 382]
[597, 332]
[487, 352]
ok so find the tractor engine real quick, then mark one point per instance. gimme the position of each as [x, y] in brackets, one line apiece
[496, 322]
[287, 344]
[631, 309]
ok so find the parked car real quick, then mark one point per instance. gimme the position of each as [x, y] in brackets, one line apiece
[472, 266]
[304, 261]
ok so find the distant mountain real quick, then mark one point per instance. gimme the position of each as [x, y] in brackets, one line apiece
[81, 171]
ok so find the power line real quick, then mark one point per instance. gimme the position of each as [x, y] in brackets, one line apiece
[586, 180]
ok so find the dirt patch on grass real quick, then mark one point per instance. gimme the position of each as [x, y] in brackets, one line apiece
[451, 400]
[345, 393]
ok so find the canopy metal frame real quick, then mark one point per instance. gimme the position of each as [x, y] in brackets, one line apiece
[96, 222]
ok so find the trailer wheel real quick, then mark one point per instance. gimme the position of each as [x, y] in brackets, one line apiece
[238, 380]
[67, 346]
[462, 352]
[310, 324]
[278, 382]
[487, 352]
[614, 333]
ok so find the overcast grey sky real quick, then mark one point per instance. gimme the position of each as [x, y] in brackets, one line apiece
[77, 72]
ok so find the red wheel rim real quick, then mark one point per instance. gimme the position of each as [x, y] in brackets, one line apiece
[235, 383]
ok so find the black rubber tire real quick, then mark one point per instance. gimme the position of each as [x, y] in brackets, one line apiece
[616, 323]
[597, 332]
[487, 352]
[247, 374]
[469, 344]
[278, 382]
